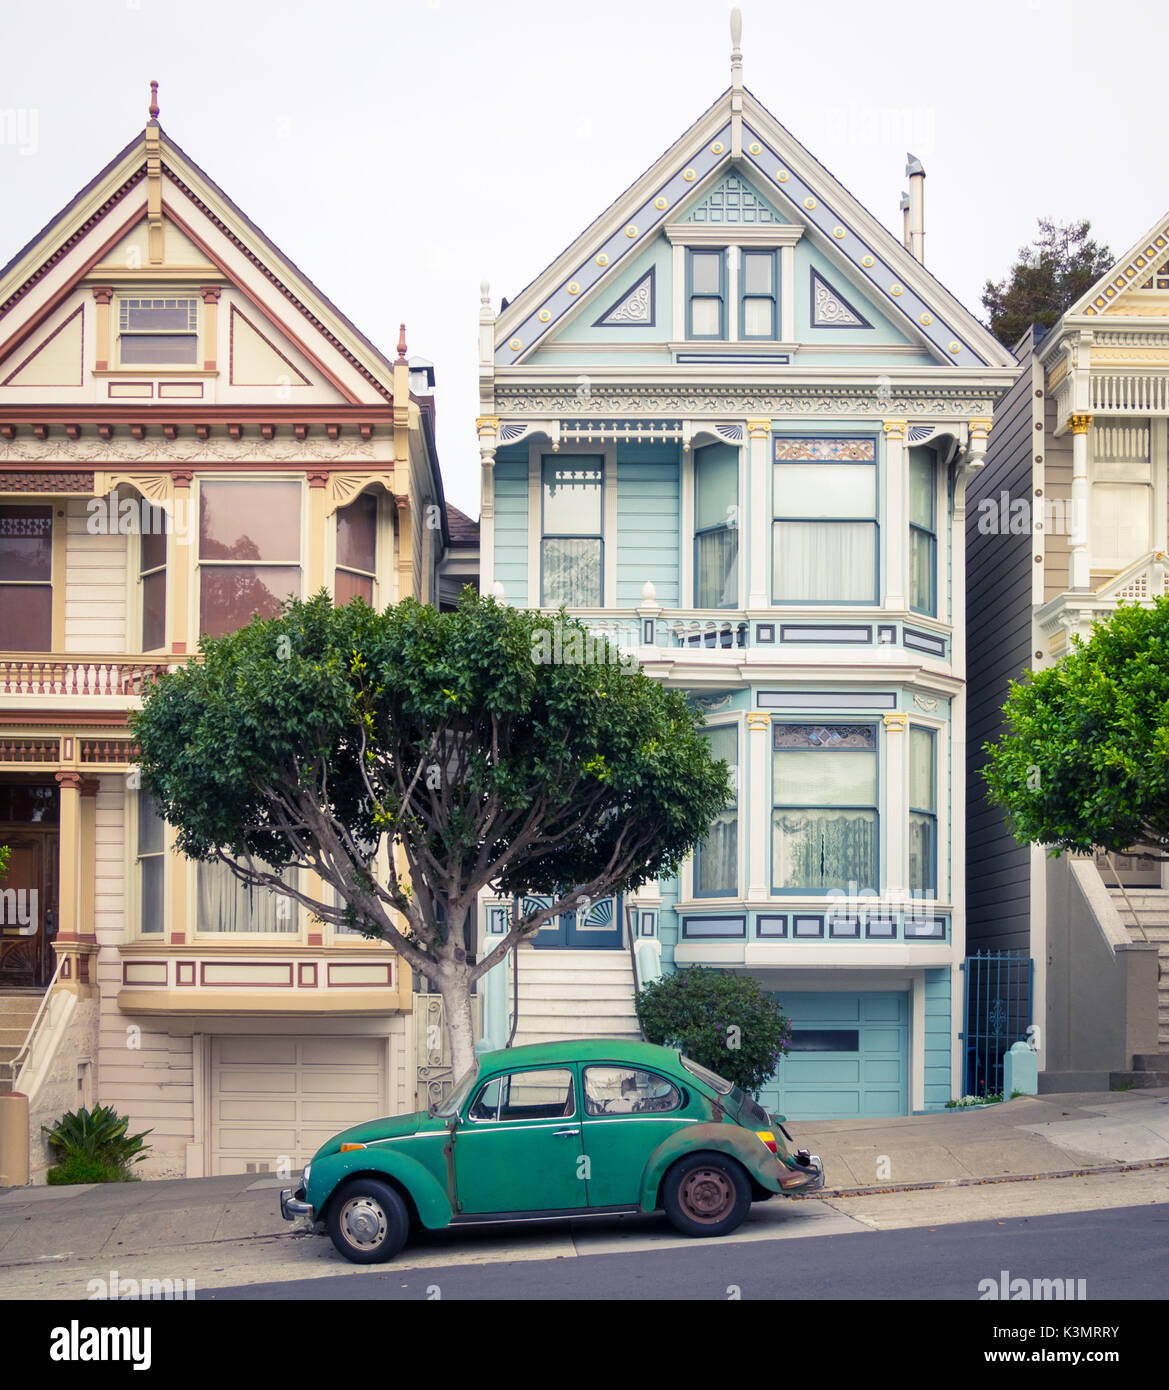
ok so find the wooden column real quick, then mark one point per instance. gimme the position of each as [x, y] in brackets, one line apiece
[753, 509]
[210, 295]
[182, 552]
[895, 539]
[894, 872]
[103, 294]
[75, 947]
[1081, 555]
[318, 522]
[756, 759]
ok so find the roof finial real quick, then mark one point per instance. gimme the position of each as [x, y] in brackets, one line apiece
[153, 107]
[402, 344]
[736, 49]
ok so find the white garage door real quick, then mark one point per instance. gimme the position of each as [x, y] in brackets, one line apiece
[277, 1099]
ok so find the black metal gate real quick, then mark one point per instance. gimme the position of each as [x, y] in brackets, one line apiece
[996, 1013]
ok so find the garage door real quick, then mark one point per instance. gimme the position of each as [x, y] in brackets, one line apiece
[849, 1057]
[281, 1098]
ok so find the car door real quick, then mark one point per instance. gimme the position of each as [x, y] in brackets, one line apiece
[518, 1144]
[627, 1112]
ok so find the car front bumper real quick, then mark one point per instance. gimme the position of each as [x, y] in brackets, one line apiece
[292, 1204]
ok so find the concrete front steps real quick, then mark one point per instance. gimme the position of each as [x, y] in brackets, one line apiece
[18, 1009]
[1151, 906]
[1150, 1069]
[575, 994]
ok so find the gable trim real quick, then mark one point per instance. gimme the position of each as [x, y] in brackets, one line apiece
[60, 328]
[816, 279]
[237, 312]
[650, 278]
[1130, 272]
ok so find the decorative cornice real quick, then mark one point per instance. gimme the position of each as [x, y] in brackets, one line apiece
[344, 487]
[26, 481]
[178, 450]
[658, 400]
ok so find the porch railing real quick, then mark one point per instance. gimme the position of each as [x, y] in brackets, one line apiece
[81, 676]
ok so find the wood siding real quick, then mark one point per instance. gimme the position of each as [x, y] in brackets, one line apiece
[511, 532]
[95, 584]
[648, 524]
[998, 609]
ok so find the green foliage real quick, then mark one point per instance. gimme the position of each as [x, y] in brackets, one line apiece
[1049, 276]
[76, 1168]
[5, 856]
[1084, 763]
[97, 1138]
[305, 739]
[720, 1019]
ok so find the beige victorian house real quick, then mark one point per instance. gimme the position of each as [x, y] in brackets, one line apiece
[189, 431]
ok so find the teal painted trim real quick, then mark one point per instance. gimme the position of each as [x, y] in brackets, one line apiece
[937, 1043]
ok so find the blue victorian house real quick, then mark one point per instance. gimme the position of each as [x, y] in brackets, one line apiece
[731, 427]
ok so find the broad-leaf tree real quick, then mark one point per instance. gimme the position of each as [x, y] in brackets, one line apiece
[1084, 763]
[412, 759]
[1060, 265]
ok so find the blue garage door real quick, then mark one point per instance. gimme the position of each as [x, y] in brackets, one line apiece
[849, 1057]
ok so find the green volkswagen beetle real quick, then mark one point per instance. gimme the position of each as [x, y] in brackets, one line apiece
[555, 1130]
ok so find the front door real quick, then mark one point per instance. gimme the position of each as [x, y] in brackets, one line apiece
[28, 905]
[596, 926]
[518, 1145]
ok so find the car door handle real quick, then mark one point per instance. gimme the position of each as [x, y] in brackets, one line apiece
[565, 1133]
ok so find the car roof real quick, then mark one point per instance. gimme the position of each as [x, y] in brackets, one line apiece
[580, 1050]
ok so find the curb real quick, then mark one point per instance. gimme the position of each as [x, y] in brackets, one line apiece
[976, 1182]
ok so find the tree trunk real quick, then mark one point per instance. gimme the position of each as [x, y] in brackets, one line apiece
[455, 990]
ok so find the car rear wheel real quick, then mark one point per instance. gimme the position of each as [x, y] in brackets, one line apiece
[706, 1194]
[368, 1221]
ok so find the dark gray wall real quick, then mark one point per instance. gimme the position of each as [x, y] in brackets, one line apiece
[998, 616]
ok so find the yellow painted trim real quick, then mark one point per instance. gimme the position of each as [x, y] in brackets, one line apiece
[180, 558]
[289, 1003]
[317, 522]
[60, 524]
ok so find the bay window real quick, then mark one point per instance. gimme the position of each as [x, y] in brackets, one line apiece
[229, 907]
[824, 531]
[249, 551]
[923, 812]
[716, 857]
[923, 533]
[356, 571]
[824, 816]
[151, 866]
[716, 529]
[26, 579]
[571, 545]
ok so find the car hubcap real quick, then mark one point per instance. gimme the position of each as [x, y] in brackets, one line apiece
[707, 1195]
[363, 1222]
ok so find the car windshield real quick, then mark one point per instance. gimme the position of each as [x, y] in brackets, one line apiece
[720, 1084]
[454, 1102]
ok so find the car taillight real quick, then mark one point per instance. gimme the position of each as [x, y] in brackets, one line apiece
[769, 1139]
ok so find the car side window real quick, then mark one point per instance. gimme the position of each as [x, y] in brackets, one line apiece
[628, 1091]
[526, 1095]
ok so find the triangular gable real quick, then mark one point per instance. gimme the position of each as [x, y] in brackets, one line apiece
[830, 308]
[636, 308]
[153, 196]
[1140, 272]
[254, 359]
[57, 358]
[732, 202]
[804, 192]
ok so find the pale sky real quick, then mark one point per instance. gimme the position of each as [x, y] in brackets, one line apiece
[514, 124]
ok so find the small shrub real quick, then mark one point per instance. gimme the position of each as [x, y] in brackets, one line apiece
[98, 1137]
[76, 1168]
[970, 1102]
[724, 1021]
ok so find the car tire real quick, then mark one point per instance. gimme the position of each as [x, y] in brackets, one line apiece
[706, 1194]
[368, 1221]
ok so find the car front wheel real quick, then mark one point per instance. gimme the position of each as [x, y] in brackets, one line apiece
[706, 1194]
[368, 1221]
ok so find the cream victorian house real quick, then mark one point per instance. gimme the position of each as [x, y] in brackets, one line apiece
[189, 431]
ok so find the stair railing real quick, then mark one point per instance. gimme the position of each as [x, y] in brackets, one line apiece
[1124, 894]
[21, 1060]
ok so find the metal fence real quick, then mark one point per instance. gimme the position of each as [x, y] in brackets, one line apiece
[996, 1013]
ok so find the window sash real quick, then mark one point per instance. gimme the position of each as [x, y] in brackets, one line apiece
[817, 849]
[716, 856]
[227, 907]
[824, 561]
[923, 572]
[762, 293]
[716, 568]
[571, 571]
[705, 295]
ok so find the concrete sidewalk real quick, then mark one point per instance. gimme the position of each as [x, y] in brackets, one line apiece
[1033, 1136]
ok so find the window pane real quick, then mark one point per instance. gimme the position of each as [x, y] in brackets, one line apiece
[357, 534]
[572, 497]
[921, 488]
[824, 560]
[922, 569]
[537, 1095]
[624, 1091]
[716, 485]
[159, 348]
[706, 317]
[716, 858]
[249, 521]
[157, 315]
[816, 850]
[826, 777]
[922, 772]
[154, 611]
[572, 573]
[923, 855]
[231, 595]
[26, 618]
[153, 878]
[228, 906]
[758, 318]
[758, 273]
[347, 586]
[825, 489]
[717, 577]
[26, 543]
[151, 833]
[706, 272]
[154, 529]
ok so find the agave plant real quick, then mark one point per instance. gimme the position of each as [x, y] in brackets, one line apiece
[99, 1135]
